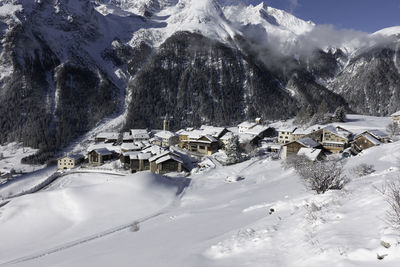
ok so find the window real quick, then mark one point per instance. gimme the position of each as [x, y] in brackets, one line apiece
[202, 147]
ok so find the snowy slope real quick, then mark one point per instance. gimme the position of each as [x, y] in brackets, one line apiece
[388, 31]
[84, 219]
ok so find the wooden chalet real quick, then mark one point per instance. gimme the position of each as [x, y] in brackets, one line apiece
[98, 156]
[293, 147]
[165, 162]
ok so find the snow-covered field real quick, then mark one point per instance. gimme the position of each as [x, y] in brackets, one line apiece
[85, 219]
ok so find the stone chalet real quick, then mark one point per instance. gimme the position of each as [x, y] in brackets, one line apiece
[285, 135]
[165, 138]
[69, 162]
[396, 117]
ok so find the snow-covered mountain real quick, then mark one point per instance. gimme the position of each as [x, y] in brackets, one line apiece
[67, 65]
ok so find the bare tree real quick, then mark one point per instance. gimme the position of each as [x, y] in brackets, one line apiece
[391, 191]
[321, 176]
[393, 129]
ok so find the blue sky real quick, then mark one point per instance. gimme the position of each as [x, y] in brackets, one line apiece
[362, 15]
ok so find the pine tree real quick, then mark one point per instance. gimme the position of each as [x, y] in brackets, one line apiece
[233, 151]
[340, 114]
[320, 116]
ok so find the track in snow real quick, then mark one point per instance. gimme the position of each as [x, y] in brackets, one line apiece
[79, 241]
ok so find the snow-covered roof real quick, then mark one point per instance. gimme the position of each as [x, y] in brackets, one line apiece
[227, 136]
[311, 153]
[396, 114]
[256, 130]
[244, 137]
[107, 135]
[308, 130]
[339, 131]
[162, 154]
[154, 149]
[247, 124]
[378, 133]
[130, 146]
[372, 139]
[287, 129]
[212, 130]
[195, 134]
[140, 134]
[140, 156]
[102, 151]
[126, 136]
[209, 138]
[165, 134]
[168, 157]
[307, 142]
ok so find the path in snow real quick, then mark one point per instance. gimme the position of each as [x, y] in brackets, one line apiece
[79, 241]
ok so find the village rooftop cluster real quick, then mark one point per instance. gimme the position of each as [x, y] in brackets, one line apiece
[164, 151]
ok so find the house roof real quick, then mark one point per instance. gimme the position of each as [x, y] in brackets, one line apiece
[140, 156]
[396, 113]
[372, 139]
[168, 157]
[107, 135]
[209, 138]
[140, 134]
[247, 124]
[227, 136]
[311, 153]
[162, 154]
[256, 130]
[307, 142]
[154, 149]
[130, 146]
[377, 133]
[126, 136]
[339, 131]
[212, 130]
[102, 151]
[287, 129]
[165, 134]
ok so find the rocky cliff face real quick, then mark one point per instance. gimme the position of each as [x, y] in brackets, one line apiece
[370, 82]
[66, 65]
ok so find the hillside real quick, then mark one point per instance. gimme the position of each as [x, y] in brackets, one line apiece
[68, 66]
[204, 220]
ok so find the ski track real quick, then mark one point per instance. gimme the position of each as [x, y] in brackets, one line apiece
[182, 190]
[79, 241]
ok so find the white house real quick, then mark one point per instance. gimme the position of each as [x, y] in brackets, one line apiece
[396, 117]
[69, 162]
[166, 138]
[285, 135]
